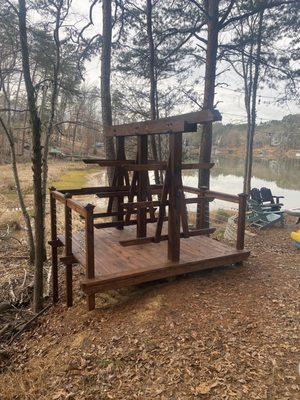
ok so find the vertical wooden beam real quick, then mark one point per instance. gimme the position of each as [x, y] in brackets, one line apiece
[120, 176]
[142, 143]
[184, 215]
[175, 147]
[68, 251]
[54, 257]
[149, 198]
[89, 251]
[131, 194]
[183, 211]
[202, 214]
[162, 207]
[113, 183]
[241, 221]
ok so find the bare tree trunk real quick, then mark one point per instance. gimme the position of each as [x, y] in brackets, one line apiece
[53, 105]
[209, 95]
[26, 114]
[54, 96]
[16, 106]
[36, 161]
[252, 109]
[105, 81]
[153, 83]
[24, 134]
[75, 131]
[19, 191]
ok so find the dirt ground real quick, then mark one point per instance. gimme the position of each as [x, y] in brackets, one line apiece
[229, 333]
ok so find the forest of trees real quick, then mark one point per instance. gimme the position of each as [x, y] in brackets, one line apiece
[283, 134]
[157, 57]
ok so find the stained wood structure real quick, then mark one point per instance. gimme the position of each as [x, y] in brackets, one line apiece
[147, 238]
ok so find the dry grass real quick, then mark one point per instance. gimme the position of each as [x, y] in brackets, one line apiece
[56, 170]
[61, 173]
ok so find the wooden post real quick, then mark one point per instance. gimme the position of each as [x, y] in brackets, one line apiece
[54, 257]
[142, 185]
[162, 207]
[241, 221]
[203, 215]
[120, 176]
[68, 251]
[175, 147]
[89, 251]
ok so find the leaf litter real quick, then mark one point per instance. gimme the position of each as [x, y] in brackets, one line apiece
[230, 333]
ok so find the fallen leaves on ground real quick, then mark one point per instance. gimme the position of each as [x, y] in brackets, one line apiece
[230, 333]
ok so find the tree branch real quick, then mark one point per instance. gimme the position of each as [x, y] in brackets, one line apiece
[256, 10]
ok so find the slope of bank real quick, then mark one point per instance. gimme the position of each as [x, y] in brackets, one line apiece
[226, 334]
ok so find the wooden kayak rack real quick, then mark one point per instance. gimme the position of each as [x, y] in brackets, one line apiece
[135, 246]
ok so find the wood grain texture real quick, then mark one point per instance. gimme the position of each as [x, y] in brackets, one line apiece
[117, 266]
[68, 251]
[142, 185]
[176, 124]
[54, 253]
[175, 148]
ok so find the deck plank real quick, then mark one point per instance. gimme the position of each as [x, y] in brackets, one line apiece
[117, 266]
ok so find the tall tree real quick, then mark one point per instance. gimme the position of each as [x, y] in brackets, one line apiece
[9, 115]
[36, 160]
[256, 56]
[105, 78]
[59, 10]
[250, 104]
[153, 82]
[220, 17]
[212, 12]
[150, 57]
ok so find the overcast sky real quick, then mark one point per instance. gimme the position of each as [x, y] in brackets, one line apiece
[229, 98]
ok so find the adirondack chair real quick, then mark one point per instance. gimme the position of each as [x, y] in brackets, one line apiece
[260, 218]
[255, 195]
[267, 196]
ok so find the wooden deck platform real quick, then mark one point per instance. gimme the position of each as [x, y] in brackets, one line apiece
[143, 256]
[117, 266]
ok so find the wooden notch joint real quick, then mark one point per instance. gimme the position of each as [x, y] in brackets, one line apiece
[55, 243]
[89, 207]
[69, 260]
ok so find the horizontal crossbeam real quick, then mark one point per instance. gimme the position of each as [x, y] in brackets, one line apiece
[163, 166]
[146, 167]
[197, 166]
[88, 190]
[123, 223]
[142, 204]
[130, 165]
[176, 124]
[211, 194]
[152, 239]
[107, 163]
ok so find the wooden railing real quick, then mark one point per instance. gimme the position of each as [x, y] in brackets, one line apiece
[240, 199]
[86, 212]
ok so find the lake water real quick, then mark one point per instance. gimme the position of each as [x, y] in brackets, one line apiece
[282, 177]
